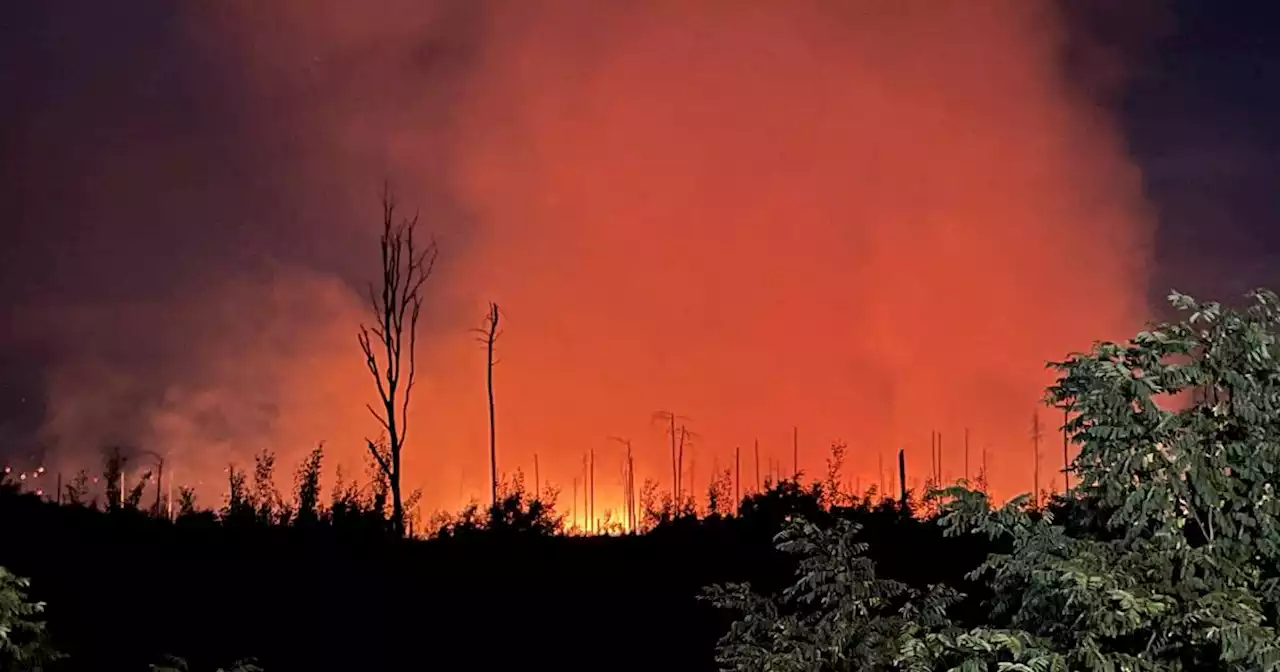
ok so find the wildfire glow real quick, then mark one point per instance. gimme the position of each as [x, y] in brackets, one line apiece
[864, 220]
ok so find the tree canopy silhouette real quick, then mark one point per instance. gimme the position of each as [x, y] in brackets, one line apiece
[1166, 556]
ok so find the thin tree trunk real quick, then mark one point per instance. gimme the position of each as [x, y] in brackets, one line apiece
[941, 473]
[737, 477]
[680, 464]
[902, 476]
[757, 465]
[795, 453]
[159, 485]
[595, 526]
[493, 438]
[880, 474]
[675, 465]
[966, 455]
[933, 454]
[633, 523]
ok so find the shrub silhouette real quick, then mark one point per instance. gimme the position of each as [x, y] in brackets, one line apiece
[220, 585]
[1166, 556]
[24, 639]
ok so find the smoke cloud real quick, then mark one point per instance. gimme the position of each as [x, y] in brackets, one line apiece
[866, 221]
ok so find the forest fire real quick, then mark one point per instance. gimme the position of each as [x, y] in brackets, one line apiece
[490, 330]
[791, 224]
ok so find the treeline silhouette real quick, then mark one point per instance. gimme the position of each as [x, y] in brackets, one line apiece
[319, 579]
[1163, 556]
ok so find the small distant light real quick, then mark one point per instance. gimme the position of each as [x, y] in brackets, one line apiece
[40, 470]
[39, 493]
[8, 470]
[95, 479]
[22, 477]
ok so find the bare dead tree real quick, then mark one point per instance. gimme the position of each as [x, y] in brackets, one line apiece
[575, 502]
[686, 442]
[941, 475]
[933, 454]
[631, 491]
[489, 336]
[628, 483]
[390, 344]
[757, 449]
[795, 454]
[902, 478]
[880, 474]
[966, 455]
[591, 484]
[678, 437]
[737, 477]
[586, 494]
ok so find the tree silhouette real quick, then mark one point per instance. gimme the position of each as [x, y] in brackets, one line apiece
[489, 336]
[239, 509]
[265, 497]
[307, 488]
[113, 464]
[1165, 556]
[77, 491]
[390, 344]
[24, 638]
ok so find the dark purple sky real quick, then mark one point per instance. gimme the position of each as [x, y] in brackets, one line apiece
[1204, 121]
[79, 77]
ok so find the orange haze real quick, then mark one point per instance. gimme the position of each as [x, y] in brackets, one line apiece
[867, 220]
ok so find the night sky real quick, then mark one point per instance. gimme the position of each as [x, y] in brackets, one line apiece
[140, 162]
[1204, 121]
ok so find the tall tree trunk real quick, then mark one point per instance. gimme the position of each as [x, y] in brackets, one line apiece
[491, 338]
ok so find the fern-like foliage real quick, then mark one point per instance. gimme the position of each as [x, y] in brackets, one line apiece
[24, 639]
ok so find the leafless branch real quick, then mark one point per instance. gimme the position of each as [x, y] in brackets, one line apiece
[395, 306]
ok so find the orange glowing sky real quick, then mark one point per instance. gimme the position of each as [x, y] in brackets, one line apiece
[865, 220]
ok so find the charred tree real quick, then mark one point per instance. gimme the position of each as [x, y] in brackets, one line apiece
[795, 454]
[490, 337]
[679, 436]
[737, 477]
[902, 477]
[757, 449]
[389, 343]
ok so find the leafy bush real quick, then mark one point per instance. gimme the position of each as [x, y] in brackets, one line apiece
[1165, 557]
[24, 641]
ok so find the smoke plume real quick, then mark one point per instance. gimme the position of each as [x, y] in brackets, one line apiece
[863, 220]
